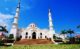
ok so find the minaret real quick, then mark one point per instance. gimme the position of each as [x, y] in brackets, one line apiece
[14, 28]
[51, 30]
[50, 23]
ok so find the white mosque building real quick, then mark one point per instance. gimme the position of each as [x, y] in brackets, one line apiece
[32, 31]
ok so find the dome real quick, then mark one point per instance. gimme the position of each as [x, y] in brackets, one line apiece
[32, 25]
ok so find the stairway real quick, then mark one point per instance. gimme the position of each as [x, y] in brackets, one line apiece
[33, 41]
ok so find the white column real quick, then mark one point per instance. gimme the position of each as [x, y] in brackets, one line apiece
[51, 30]
[14, 29]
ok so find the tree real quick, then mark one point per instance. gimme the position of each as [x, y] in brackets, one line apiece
[64, 32]
[70, 32]
[3, 29]
[11, 36]
[54, 36]
[71, 39]
[78, 26]
[3, 32]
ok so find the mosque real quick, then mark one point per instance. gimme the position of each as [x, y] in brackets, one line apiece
[32, 31]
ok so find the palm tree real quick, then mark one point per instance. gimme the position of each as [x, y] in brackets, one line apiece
[64, 32]
[3, 32]
[3, 29]
[71, 39]
[78, 26]
[70, 32]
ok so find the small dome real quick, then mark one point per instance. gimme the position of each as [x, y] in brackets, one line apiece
[32, 25]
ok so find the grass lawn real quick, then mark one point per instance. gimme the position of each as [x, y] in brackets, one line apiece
[48, 46]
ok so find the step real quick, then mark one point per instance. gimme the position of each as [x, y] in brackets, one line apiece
[33, 41]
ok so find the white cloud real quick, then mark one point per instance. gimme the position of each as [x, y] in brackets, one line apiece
[5, 19]
[78, 32]
[5, 16]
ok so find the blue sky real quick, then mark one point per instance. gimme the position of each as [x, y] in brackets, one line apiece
[65, 13]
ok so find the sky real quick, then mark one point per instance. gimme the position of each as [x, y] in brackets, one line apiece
[65, 13]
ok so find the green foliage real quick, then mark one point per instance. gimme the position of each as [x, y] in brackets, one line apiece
[70, 32]
[54, 36]
[47, 46]
[1, 42]
[11, 36]
[3, 29]
[63, 32]
[78, 26]
[77, 40]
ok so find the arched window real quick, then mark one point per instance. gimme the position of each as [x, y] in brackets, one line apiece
[34, 35]
[45, 36]
[26, 33]
[40, 33]
[20, 36]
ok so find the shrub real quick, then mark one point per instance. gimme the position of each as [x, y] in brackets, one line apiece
[11, 36]
[1, 42]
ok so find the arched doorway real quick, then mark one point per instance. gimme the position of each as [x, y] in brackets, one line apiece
[34, 35]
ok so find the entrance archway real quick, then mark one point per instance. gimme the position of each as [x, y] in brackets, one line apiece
[34, 35]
